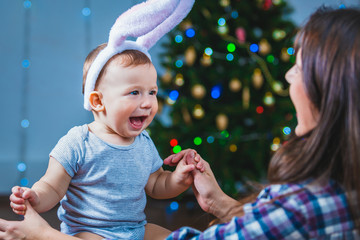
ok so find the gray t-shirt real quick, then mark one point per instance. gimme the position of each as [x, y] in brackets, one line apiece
[107, 186]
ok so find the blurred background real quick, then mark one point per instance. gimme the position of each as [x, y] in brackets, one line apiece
[221, 78]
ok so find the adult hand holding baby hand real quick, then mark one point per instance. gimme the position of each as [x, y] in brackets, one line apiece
[18, 198]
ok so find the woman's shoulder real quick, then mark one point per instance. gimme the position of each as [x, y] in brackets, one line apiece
[306, 195]
[322, 206]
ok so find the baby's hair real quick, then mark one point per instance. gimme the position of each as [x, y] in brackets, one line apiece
[127, 58]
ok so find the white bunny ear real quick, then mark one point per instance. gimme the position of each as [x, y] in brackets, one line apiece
[140, 19]
[181, 11]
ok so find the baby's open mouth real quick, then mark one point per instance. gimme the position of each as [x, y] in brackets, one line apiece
[137, 122]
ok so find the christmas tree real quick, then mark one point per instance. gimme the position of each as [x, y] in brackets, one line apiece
[225, 89]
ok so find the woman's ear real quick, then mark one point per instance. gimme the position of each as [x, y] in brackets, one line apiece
[96, 102]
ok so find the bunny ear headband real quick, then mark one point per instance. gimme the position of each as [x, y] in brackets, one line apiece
[148, 21]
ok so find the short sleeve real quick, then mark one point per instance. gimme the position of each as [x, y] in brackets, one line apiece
[69, 150]
[157, 160]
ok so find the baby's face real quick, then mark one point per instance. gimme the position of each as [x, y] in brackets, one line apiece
[129, 97]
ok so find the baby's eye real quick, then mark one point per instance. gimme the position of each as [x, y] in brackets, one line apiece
[153, 92]
[134, 93]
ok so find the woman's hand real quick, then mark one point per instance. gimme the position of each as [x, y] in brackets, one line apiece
[210, 196]
[33, 227]
[189, 155]
[19, 196]
[30, 228]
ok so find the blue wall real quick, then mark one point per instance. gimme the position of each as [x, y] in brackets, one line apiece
[59, 39]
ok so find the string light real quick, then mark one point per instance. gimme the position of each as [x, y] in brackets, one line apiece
[210, 139]
[178, 38]
[270, 58]
[234, 14]
[225, 134]
[291, 51]
[179, 63]
[174, 206]
[197, 141]
[208, 51]
[231, 47]
[229, 57]
[254, 47]
[177, 149]
[174, 94]
[259, 109]
[190, 33]
[221, 21]
[215, 92]
[286, 130]
[233, 148]
[173, 142]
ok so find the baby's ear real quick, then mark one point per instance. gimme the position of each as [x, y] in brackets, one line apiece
[96, 102]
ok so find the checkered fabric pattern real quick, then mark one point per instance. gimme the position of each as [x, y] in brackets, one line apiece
[289, 211]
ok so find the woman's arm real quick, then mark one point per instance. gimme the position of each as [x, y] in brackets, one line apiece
[210, 196]
[165, 184]
[207, 191]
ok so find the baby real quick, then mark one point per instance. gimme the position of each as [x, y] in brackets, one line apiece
[101, 171]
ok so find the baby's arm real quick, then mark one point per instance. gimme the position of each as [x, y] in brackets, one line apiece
[165, 184]
[45, 193]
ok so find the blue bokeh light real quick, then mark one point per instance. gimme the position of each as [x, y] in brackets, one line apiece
[254, 47]
[86, 11]
[174, 206]
[208, 51]
[286, 130]
[27, 4]
[179, 63]
[221, 21]
[24, 182]
[173, 95]
[25, 123]
[25, 63]
[234, 14]
[190, 33]
[21, 167]
[291, 51]
[178, 38]
[229, 57]
[210, 139]
[216, 92]
[342, 6]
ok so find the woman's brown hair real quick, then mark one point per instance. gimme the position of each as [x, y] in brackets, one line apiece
[330, 54]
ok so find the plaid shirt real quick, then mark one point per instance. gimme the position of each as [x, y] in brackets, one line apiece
[304, 211]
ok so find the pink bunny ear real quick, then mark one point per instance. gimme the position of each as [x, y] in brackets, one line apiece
[149, 21]
[175, 18]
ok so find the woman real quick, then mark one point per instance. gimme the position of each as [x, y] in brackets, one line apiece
[313, 189]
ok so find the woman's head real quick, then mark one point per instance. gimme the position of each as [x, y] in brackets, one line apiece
[307, 114]
[329, 50]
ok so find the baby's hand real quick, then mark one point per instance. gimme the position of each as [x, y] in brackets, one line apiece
[18, 197]
[190, 157]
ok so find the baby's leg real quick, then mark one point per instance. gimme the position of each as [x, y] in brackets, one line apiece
[88, 236]
[154, 232]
